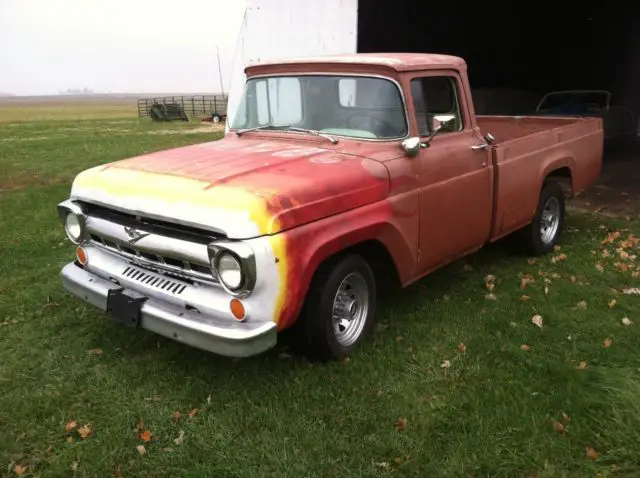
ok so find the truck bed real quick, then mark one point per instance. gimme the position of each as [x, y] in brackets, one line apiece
[529, 147]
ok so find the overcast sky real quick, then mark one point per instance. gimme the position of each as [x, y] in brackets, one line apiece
[117, 46]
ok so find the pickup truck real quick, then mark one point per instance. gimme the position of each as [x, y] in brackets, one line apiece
[336, 174]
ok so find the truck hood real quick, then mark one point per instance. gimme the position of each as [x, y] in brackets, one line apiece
[239, 187]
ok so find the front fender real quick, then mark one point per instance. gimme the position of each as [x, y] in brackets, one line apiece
[306, 247]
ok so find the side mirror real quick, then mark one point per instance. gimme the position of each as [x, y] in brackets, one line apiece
[412, 145]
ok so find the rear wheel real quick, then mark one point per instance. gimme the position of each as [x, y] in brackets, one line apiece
[544, 232]
[339, 310]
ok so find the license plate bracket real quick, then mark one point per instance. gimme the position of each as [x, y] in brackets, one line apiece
[125, 307]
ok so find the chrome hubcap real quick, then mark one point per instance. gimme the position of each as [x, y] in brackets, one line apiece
[550, 220]
[350, 308]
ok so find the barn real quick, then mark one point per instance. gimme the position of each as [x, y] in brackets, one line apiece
[516, 52]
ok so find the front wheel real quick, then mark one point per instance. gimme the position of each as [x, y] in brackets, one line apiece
[339, 309]
[544, 232]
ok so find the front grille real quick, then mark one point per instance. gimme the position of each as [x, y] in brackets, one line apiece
[188, 271]
[163, 228]
[160, 283]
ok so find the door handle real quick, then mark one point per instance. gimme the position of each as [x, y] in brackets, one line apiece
[480, 147]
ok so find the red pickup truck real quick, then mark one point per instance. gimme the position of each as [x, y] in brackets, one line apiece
[331, 166]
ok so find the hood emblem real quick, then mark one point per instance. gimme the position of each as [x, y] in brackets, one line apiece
[134, 234]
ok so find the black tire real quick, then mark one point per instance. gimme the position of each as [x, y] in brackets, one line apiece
[315, 334]
[531, 236]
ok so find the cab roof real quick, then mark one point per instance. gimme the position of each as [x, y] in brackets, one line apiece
[395, 61]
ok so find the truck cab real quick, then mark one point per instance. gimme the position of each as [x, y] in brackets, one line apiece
[336, 172]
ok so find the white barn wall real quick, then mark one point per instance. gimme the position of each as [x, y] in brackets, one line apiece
[275, 29]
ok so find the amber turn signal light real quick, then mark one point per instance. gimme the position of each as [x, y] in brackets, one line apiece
[81, 255]
[237, 309]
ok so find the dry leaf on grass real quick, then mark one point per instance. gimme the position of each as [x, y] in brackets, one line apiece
[94, 351]
[582, 305]
[490, 297]
[70, 425]
[546, 290]
[445, 364]
[383, 465]
[193, 413]
[607, 343]
[599, 267]
[85, 431]
[626, 321]
[631, 291]
[611, 237]
[19, 470]
[566, 417]
[462, 348]
[592, 454]
[145, 436]
[490, 286]
[139, 425]
[141, 449]
[74, 466]
[525, 298]
[537, 320]
[582, 365]
[525, 347]
[559, 427]
[175, 416]
[400, 424]
[612, 303]
[180, 439]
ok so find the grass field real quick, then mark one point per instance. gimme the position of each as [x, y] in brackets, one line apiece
[453, 383]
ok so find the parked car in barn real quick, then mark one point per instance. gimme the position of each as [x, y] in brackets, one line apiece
[337, 172]
[619, 122]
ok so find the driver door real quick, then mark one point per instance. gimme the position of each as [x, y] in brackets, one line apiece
[456, 180]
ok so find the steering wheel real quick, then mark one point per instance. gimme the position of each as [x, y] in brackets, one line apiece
[386, 129]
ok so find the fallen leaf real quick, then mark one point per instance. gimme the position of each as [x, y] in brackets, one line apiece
[525, 347]
[607, 343]
[70, 425]
[631, 291]
[95, 352]
[19, 470]
[400, 424]
[546, 290]
[572, 278]
[559, 258]
[141, 449]
[193, 413]
[525, 280]
[490, 297]
[537, 320]
[180, 439]
[611, 237]
[556, 248]
[582, 365]
[559, 427]
[167, 449]
[175, 416]
[626, 321]
[70, 440]
[445, 364]
[139, 425]
[85, 431]
[490, 286]
[635, 274]
[569, 338]
[525, 298]
[74, 466]
[531, 261]
[462, 348]
[582, 305]
[383, 465]
[146, 436]
[599, 267]
[490, 278]
[612, 304]
[566, 417]
[592, 454]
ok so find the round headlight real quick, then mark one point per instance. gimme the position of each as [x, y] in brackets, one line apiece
[229, 270]
[73, 227]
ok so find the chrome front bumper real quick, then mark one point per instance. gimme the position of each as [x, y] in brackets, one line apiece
[209, 331]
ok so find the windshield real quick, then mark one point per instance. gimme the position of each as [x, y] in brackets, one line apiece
[574, 101]
[358, 107]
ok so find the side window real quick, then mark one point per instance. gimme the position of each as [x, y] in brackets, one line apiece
[436, 98]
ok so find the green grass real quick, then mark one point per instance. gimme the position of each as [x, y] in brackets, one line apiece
[490, 413]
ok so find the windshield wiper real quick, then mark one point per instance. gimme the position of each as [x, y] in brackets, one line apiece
[286, 127]
[314, 132]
